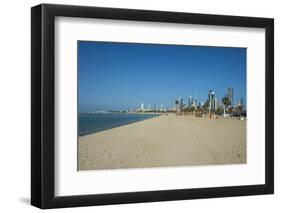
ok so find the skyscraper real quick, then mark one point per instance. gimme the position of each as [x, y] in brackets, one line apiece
[194, 103]
[142, 107]
[215, 104]
[211, 100]
[177, 105]
[181, 103]
[190, 101]
[230, 95]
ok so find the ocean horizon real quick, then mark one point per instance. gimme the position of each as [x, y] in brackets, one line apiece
[89, 123]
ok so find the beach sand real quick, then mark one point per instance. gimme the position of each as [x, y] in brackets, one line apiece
[165, 141]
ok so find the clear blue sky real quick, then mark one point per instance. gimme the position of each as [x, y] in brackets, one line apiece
[119, 76]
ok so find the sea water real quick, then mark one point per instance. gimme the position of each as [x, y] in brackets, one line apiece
[94, 122]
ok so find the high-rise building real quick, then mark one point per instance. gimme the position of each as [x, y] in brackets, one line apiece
[230, 95]
[194, 103]
[142, 107]
[211, 100]
[219, 103]
[190, 101]
[177, 105]
[215, 104]
[181, 103]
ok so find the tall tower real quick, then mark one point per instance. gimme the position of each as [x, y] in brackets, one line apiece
[211, 100]
[177, 105]
[181, 103]
[230, 95]
[142, 107]
[215, 104]
[190, 101]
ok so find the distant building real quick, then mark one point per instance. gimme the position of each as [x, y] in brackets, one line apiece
[211, 98]
[190, 101]
[230, 95]
[179, 104]
[215, 104]
[195, 103]
[219, 104]
[242, 102]
[142, 107]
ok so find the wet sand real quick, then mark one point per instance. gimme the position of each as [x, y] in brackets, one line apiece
[165, 141]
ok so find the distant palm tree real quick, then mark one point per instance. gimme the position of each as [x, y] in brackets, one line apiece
[219, 110]
[239, 108]
[226, 101]
[206, 106]
[185, 111]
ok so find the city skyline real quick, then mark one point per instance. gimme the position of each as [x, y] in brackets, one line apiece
[214, 102]
[188, 102]
[121, 76]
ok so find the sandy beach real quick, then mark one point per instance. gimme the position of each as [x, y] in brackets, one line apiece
[165, 141]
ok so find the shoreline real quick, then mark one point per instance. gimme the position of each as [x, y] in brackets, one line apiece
[164, 141]
[125, 124]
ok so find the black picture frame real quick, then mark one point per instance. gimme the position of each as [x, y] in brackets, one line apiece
[43, 114]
